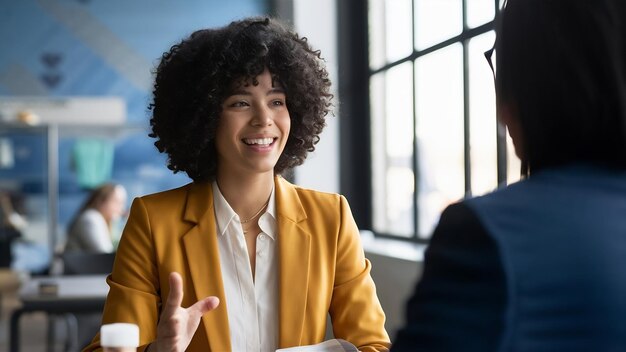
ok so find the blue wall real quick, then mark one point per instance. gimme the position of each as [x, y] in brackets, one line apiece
[99, 48]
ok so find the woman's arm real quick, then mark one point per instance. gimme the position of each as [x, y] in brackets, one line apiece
[135, 292]
[356, 313]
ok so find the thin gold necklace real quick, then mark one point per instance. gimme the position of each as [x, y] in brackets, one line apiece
[245, 232]
[257, 213]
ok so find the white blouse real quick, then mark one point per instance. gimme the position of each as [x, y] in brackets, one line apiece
[252, 305]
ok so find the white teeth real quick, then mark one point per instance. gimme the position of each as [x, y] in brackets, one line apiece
[261, 141]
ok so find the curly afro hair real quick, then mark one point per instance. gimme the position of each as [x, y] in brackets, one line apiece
[196, 75]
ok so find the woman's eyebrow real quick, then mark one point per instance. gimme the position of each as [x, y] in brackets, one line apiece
[276, 90]
[241, 91]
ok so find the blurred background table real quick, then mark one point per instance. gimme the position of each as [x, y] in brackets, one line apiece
[59, 295]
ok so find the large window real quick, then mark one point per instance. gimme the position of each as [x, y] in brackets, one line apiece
[431, 128]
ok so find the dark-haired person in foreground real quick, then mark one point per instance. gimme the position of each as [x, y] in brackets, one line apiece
[539, 265]
[240, 259]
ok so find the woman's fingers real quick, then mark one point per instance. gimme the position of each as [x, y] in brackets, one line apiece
[204, 305]
[175, 297]
[177, 324]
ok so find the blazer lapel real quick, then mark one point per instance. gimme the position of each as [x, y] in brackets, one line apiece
[293, 245]
[204, 264]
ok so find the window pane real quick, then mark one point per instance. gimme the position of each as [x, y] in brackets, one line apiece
[514, 164]
[439, 131]
[436, 21]
[483, 129]
[376, 33]
[391, 102]
[479, 12]
[389, 31]
[398, 33]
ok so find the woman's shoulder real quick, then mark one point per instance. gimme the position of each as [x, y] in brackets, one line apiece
[170, 195]
[88, 222]
[90, 215]
[308, 194]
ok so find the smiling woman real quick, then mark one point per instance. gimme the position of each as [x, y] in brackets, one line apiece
[259, 262]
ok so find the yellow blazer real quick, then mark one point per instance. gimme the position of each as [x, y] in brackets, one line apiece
[322, 268]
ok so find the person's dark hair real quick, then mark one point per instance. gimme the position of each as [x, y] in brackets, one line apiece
[562, 67]
[196, 75]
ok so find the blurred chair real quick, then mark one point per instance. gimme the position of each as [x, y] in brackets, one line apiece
[83, 263]
[81, 328]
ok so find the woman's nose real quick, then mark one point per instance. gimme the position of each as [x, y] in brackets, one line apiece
[262, 116]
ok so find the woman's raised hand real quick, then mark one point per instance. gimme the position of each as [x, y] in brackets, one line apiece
[177, 324]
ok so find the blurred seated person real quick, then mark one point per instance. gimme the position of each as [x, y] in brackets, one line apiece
[90, 230]
[12, 223]
[539, 265]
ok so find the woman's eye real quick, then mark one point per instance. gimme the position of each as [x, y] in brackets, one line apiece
[239, 104]
[278, 103]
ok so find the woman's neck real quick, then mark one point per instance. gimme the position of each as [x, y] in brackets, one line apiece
[246, 195]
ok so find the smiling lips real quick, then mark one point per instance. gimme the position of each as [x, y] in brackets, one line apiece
[261, 142]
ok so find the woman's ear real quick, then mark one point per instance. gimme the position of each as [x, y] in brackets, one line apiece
[507, 114]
